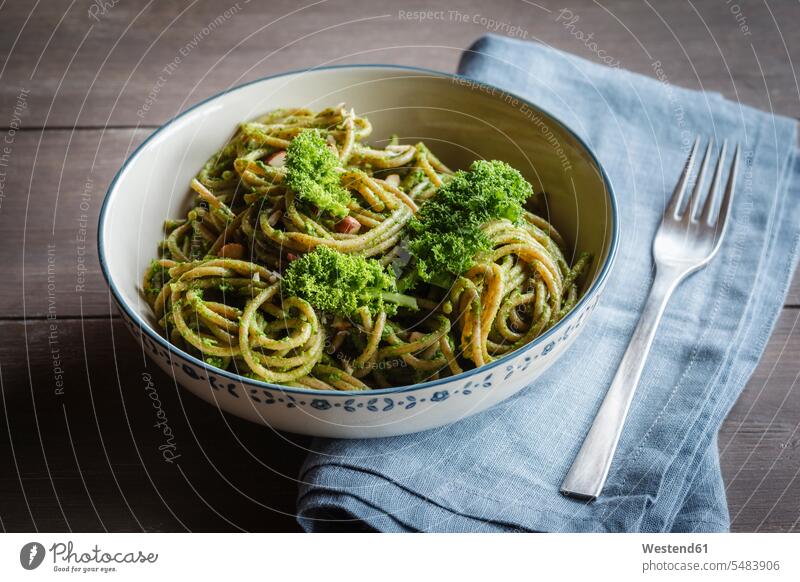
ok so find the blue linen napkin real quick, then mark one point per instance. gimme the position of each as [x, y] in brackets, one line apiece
[501, 470]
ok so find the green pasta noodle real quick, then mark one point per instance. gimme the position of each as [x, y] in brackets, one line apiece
[311, 258]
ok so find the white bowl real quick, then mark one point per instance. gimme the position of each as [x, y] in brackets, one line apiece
[461, 121]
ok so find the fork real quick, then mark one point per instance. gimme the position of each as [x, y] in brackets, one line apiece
[687, 239]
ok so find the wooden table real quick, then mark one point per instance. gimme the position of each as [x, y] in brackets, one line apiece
[78, 449]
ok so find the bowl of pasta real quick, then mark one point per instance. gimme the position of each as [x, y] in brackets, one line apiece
[358, 251]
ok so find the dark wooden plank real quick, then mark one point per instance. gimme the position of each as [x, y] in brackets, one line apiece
[128, 486]
[89, 459]
[793, 297]
[760, 440]
[98, 71]
[49, 211]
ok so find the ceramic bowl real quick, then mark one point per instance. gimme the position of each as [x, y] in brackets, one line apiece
[461, 121]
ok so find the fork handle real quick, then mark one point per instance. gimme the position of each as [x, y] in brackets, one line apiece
[588, 473]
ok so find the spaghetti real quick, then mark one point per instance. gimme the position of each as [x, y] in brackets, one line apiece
[297, 263]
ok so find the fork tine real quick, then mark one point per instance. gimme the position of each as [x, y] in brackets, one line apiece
[694, 200]
[677, 196]
[728, 196]
[711, 197]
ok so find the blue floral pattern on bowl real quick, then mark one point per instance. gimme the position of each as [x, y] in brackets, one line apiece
[279, 396]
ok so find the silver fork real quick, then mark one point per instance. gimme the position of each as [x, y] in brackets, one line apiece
[687, 239]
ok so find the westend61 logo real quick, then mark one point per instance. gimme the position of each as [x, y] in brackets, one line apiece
[67, 559]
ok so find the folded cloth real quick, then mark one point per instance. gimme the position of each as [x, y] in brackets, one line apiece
[501, 470]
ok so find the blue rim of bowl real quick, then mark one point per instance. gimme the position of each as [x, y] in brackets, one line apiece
[155, 336]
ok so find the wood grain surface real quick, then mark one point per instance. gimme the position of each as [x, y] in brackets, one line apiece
[81, 86]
